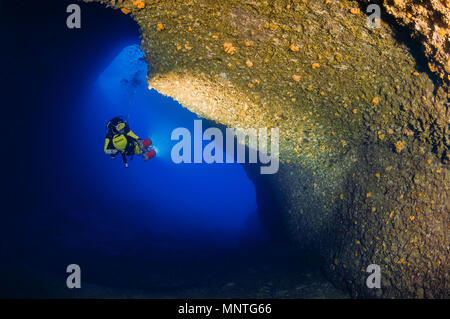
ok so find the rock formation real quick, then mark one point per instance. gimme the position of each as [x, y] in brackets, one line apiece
[429, 22]
[363, 133]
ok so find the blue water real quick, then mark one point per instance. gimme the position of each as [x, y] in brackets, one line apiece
[181, 204]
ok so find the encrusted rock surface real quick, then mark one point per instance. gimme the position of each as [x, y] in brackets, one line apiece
[429, 21]
[363, 134]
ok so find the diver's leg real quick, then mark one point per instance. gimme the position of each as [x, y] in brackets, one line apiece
[124, 157]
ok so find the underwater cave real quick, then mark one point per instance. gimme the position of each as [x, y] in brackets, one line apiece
[155, 229]
[363, 175]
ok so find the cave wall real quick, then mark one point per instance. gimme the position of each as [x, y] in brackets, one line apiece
[363, 133]
[428, 21]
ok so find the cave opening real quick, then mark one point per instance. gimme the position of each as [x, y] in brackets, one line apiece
[163, 214]
[201, 203]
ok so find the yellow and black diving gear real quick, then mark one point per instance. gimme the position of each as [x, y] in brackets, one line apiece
[120, 138]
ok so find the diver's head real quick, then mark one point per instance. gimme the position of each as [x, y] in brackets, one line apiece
[116, 125]
[121, 127]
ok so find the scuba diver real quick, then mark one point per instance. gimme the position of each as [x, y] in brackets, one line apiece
[120, 138]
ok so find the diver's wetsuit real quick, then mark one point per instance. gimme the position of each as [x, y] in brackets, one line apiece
[125, 141]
